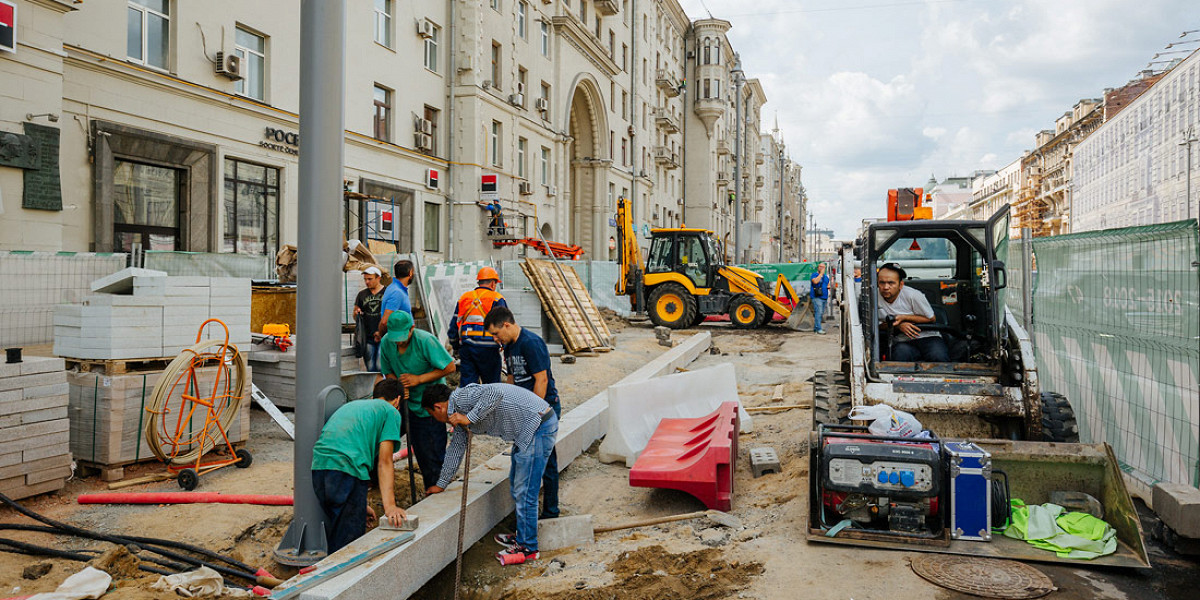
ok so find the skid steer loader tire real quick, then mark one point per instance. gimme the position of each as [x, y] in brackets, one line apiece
[831, 398]
[746, 312]
[671, 305]
[1058, 419]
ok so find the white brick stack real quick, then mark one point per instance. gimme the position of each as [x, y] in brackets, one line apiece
[275, 371]
[139, 313]
[35, 456]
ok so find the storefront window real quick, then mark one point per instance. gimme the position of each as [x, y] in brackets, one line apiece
[145, 206]
[251, 208]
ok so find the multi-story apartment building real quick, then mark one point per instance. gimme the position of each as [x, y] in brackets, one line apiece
[177, 123]
[782, 199]
[1133, 170]
[1043, 204]
[990, 192]
[951, 192]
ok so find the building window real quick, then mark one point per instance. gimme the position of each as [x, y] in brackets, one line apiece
[545, 165]
[624, 152]
[495, 5]
[716, 88]
[522, 10]
[522, 144]
[495, 143]
[707, 57]
[433, 227]
[251, 48]
[707, 89]
[431, 115]
[251, 208]
[148, 39]
[383, 113]
[431, 49]
[583, 12]
[383, 22]
[612, 45]
[495, 64]
[545, 28]
[625, 106]
[146, 206]
[522, 81]
[545, 91]
[625, 57]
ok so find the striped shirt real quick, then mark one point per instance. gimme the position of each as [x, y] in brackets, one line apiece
[506, 411]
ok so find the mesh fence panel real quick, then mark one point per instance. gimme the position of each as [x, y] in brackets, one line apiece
[211, 264]
[1117, 330]
[32, 283]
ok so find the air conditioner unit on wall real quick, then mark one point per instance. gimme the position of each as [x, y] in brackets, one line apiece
[423, 141]
[228, 65]
[424, 126]
[541, 104]
[425, 28]
[552, 190]
[526, 188]
[516, 99]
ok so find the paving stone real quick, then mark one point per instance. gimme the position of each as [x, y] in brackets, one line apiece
[764, 460]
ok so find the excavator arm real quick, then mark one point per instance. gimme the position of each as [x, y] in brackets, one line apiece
[629, 280]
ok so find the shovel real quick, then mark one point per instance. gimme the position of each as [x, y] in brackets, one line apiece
[723, 519]
[565, 532]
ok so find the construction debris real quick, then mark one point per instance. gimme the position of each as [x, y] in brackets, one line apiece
[664, 336]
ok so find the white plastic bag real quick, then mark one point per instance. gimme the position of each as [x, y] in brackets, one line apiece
[886, 420]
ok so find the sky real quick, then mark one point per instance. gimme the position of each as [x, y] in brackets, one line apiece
[879, 94]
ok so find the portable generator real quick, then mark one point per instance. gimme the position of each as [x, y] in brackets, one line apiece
[922, 489]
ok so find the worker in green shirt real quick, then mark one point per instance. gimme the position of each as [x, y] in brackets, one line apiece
[417, 359]
[359, 436]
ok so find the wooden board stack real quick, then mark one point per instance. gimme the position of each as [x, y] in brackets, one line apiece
[35, 456]
[570, 306]
[275, 371]
[108, 412]
[139, 313]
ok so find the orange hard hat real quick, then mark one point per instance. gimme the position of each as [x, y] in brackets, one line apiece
[487, 273]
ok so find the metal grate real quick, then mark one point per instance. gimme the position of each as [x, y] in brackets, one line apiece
[32, 283]
[985, 577]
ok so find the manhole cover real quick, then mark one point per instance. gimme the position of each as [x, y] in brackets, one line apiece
[986, 577]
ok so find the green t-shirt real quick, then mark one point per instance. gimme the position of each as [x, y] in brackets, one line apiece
[350, 439]
[425, 353]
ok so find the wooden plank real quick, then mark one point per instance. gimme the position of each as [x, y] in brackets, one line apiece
[558, 294]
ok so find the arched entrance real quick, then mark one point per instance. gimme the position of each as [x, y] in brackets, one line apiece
[588, 152]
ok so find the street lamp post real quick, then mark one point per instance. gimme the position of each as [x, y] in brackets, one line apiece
[1189, 138]
[738, 79]
[779, 214]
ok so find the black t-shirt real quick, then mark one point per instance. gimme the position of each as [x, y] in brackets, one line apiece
[370, 305]
[529, 355]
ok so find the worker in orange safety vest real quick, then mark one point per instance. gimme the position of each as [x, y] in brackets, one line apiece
[478, 352]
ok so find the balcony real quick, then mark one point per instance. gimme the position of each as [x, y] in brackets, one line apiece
[722, 145]
[674, 162]
[667, 83]
[758, 159]
[759, 181]
[665, 120]
[662, 154]
[722, 177]
[607, 8]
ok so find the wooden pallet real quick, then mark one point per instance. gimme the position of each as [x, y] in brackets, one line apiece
[117, 366]
[569, 305]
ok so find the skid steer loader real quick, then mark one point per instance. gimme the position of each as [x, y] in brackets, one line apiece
[906, 492]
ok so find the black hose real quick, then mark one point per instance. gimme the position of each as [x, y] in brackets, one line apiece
[142, 542]
[34, 550]
[1001, 501]
[84, 533]
[54, 531]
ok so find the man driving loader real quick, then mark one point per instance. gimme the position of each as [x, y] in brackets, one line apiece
[901, 311]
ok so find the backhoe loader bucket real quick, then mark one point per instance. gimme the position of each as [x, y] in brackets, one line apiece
[801, 317]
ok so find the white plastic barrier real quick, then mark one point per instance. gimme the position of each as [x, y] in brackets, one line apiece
[634, 409]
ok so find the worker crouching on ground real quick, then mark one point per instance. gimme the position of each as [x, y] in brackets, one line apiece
[515, 415]
[417, 359]
[528, 361]
[357, 438]
[478, 352]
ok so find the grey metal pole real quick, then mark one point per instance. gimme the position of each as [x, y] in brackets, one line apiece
[779, 213]
[322, 117]
[737, 164]
[1191, 139]
[1027, 280]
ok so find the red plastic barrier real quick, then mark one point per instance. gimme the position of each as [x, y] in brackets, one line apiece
[697, 456]
[183, 498]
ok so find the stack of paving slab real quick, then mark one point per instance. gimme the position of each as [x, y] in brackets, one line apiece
[34, 453]
[275, 371]
[140, 313]
[108, 413]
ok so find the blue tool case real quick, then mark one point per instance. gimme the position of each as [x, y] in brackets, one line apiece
[970, 475]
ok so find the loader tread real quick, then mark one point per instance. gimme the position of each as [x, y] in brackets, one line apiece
[831, 398]
[1058, 419]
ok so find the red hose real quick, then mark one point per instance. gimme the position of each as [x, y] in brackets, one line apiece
[184, 498]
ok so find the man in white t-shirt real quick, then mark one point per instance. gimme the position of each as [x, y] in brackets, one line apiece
[910, 309]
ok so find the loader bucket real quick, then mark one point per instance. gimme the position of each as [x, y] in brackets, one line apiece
[1034, 470]
[794, 319]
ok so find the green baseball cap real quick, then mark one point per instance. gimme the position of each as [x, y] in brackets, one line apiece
[399, 324]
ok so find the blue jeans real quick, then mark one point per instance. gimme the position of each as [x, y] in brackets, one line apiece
[930, 349]
[480, 364]
[525, 478]
[550, 478]
[428, 444]
[343, 498]
[818, 313]
[371, 360]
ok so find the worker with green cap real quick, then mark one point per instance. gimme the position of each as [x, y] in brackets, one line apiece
[418, 359]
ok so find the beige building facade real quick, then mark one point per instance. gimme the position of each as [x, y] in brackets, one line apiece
[177, 124]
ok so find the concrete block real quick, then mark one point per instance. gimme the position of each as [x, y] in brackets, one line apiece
[45, 392]
[636, 408]
[121, 282]
[188, 281]
[119, 300]
[27, 381]
[41, 364]
[764, 460]
[1178, 505]
[565, 532]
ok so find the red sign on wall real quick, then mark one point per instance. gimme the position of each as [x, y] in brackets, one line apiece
[487, 183]
[8, 26]
[431, 179]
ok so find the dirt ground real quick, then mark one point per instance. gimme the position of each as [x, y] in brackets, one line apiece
[767, 557]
